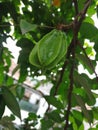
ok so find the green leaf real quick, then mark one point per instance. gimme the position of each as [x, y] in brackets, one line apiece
[9, 81]
[2, 106]
[82, 105]
[89, 50]
[91, 11]
[72, 120]
[85, 62]
[81, 127]
[26, 26]
[32, 116]
[95, 112]
[78, 115]
[93, 129]
[53, 101]
[11, 101]
[81, 4]
[89, 20]
[89, 31]
[25, 43]
[46, 124]
[20, 92]
[1, 74]
[55, 116]
[85, 84]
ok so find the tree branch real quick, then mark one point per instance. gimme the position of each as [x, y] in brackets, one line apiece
[83, 12]
[69, 97]
[76, 27]
[76, 6]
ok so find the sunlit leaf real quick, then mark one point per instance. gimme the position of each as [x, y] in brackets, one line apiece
[72, 120]
[26, 26]
[9, 81]
[81, 127]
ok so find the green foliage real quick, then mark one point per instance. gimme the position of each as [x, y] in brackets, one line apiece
[10, 101]
[90, 32]
[53, 101]
[2, 106]
[7, 123]
[26, 27]
[39, 28]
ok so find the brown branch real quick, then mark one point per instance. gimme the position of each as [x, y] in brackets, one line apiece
[76, 6]
[59, 26]
[76, 27]
[87, 4]
[15, 25]
[61, 76]
[69, 96]
[83, 13]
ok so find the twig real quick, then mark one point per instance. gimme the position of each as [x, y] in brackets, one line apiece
[83, 12]
[69, 96]
[15, 25]
[8, 25]
[61, 76]
[76, 6]
[59, 26]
